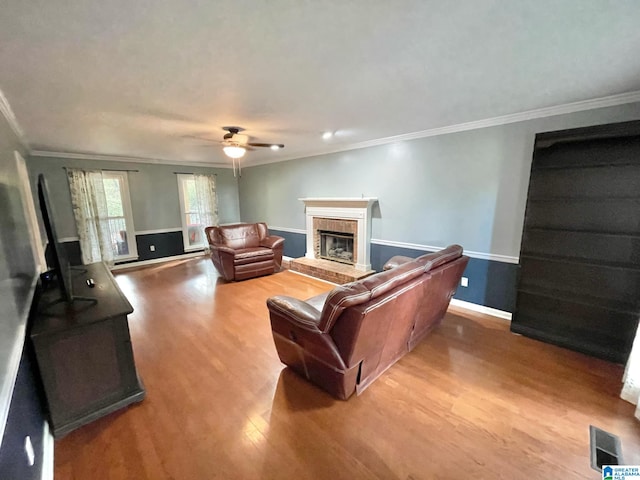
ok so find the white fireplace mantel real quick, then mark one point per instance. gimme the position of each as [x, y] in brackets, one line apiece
[339, 202]
[349, 208]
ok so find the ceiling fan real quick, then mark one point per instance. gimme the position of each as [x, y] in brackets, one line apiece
[234, 139]
[235, 145]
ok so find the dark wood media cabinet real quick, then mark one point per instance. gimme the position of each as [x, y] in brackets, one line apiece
[83, 351]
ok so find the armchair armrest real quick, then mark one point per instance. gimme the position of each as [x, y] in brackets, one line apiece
[223, 258]
[272, 241]
[297, 312]
[393, 262]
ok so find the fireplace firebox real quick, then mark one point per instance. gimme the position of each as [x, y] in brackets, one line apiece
[336, 246]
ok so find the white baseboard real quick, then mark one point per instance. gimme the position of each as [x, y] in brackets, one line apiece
[47, 453]
[494, 312]
[122, 266]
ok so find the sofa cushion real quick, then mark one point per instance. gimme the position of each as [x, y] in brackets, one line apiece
[393, 262]
[318, 301]
[431, 261]
[388, 280]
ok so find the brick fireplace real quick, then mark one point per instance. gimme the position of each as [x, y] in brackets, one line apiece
[349, 216]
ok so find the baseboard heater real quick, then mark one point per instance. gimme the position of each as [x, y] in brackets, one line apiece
[605, 448]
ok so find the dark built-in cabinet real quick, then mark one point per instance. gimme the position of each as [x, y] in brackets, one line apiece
[579, 281]
[83, 351]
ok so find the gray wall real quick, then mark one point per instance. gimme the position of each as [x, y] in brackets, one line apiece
[17, 274]
[153, 190]
[468, 187]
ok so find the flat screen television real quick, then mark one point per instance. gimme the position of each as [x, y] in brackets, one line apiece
[57, 260]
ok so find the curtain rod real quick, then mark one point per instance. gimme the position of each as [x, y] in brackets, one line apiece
[191, 173]
[110, 169]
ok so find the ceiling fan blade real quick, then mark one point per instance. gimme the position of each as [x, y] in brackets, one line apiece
[266, 145]
[198, 137]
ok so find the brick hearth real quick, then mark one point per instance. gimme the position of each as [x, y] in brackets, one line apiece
[327, 270]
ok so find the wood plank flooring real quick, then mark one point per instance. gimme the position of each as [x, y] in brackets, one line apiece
[473, 401]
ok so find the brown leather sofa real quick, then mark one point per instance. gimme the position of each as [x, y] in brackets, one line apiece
[344, 339]
[244, 250]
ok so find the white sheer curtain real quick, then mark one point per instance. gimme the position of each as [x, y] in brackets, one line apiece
[90, 211]
[631, 388]
[207, 203]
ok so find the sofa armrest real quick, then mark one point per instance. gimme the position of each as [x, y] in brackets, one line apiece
[272, 241]
[393, 262]
[297, 312]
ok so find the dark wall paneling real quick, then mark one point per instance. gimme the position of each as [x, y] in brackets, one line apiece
[580, 252]
[167, 244]
[26, 417]
[491, 283]
[380, 254]
[295, 244]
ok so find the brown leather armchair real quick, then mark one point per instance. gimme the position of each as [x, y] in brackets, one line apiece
[244, 250]
[344, 339]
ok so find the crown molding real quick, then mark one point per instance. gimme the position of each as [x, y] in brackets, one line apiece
[11, 119]
[591, 104]
[122, 158]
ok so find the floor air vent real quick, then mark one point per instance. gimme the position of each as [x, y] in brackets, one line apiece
[605, 448]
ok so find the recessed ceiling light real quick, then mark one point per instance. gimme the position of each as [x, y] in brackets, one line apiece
[327, 135]
[275, 147]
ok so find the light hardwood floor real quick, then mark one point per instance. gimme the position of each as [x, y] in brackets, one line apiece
[473, 401]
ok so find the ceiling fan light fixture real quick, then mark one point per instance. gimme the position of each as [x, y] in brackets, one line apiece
[275, 147]
[234, 151]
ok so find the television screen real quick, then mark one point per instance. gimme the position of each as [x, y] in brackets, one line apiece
[59, 260]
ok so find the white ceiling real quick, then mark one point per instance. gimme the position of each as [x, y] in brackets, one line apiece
[133, 78]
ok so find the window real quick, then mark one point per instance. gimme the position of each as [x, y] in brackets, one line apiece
[102, 210]
[119, 216]
[197, 207]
